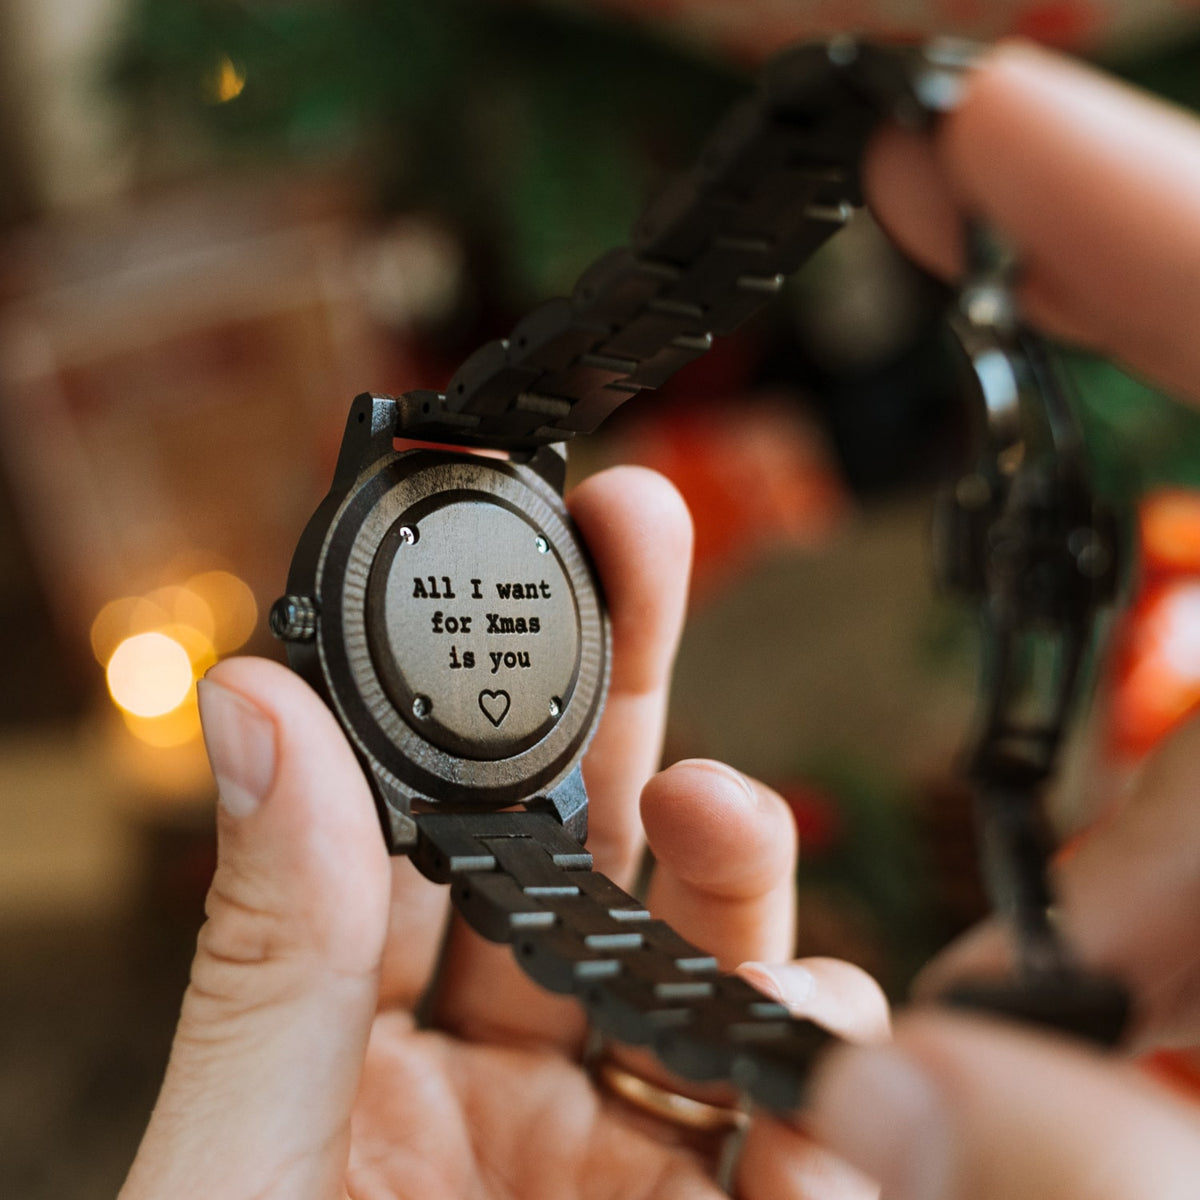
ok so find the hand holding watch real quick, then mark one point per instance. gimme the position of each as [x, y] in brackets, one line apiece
[442, 605]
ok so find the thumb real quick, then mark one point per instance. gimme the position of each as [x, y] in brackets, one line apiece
[266, 1060]
[960, 1109]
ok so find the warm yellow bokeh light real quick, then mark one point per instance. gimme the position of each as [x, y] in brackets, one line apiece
[156, 646]
[149, 674]
[176, 728]
[164, 607]
[200, 651]
[226, 82]
[113, 624]
[232, 604]
[181, 606]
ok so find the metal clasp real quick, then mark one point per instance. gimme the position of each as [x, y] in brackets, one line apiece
[1023, 536]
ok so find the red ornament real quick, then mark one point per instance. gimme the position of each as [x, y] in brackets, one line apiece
[1065, 23]
[818, 821]
[1155, 664]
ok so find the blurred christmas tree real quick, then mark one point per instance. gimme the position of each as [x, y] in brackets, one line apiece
[537, 132]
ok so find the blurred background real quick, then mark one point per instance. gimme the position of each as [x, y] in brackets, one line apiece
[221, 219]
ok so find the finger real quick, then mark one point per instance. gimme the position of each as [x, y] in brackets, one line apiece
[724, 877]
[639, 534]
[779, 1160]
[837, 995]
[984, 951]
[1096, 184]
[725, 861]
[960, 1109]
[1130, 893]
[1129, 900]
[270, 1043]
[416, 931]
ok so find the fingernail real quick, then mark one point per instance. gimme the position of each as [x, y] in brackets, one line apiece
[792, 986]
[726, 772]
[881, 1112]
[241, 747]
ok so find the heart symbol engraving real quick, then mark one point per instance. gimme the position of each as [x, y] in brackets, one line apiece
[495, 705]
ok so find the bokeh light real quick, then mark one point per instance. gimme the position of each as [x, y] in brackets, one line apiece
[179, 727]
[176, 605]
[232, 604]
[226, 82]
[1169, 523]
[154, 648]
[116, 621]
[149, 674]
[1157, 680]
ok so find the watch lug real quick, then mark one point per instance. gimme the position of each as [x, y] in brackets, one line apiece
[569, 804]
[550, 462]
[370, 433]
[395, 810]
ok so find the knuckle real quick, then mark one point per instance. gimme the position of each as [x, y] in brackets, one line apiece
[240, 931]
[246, 958]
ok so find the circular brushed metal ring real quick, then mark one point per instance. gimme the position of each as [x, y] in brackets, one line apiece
[394, 739]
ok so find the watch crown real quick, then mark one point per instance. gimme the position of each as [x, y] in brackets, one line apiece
[294, 618]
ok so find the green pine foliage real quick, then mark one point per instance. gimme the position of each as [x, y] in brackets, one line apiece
[534, 130]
